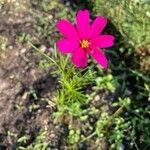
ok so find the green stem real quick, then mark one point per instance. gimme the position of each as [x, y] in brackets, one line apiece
[46, 56]
[119, 110]
[89, 137]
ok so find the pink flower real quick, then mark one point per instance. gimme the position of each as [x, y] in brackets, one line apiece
[84, 39]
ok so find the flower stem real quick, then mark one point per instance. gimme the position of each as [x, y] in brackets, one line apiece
[46, 56]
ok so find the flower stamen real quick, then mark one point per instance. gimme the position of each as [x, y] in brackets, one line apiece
[85, 43]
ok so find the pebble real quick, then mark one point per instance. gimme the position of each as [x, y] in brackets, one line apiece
[52, 135]
[97, 98]
[24, 96]
[4, 85]
[23, 50]
[43, 48]
[10, 47]
[11, 76]
[50, 17]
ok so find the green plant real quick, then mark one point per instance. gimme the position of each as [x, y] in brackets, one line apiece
[74, 136]
[117, 134]
[33, 94]
[24, 37]
[1, 3]
[38, 144]
[72, 81]
[131, 19]
[3, 42]
[106, 82]
[123, 126]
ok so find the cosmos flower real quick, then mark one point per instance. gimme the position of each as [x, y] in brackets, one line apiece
[84, 39]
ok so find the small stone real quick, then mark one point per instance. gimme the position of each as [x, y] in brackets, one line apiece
[4, 85]
[50, 17]
[23, 50]
[24, 96]
[33, 74]
[10, 47]
[45, 121]
[52, 135]
[11, 76]
[97, 98]
[17, 4]
[43, 48]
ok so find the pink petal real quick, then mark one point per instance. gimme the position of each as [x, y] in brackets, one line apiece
[103, 41]
[79, 58]
[83, 23]
[67, 46]
[99, 56]
[67, 29]
[97, 26]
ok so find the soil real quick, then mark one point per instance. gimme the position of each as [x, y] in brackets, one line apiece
[20, 79]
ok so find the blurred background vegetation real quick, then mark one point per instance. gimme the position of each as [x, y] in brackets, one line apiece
[132, 19]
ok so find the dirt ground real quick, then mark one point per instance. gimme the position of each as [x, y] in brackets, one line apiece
[22, 84]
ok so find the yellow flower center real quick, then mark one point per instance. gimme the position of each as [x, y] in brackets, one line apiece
[85, 43]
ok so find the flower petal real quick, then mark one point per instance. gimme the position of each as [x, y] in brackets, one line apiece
[67, 29]
[83, 23]
[67, 46]
[97, 26]
[79, 58]
[103, 41]
[99, 56]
